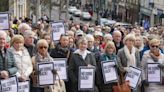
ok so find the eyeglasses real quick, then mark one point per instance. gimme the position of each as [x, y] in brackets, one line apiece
[154, 46]
[41, 47]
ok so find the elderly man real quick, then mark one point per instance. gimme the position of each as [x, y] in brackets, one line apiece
[7, 62]
[117, 39]
[29, 42]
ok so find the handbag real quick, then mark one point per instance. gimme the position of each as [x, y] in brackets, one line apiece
[59, 86]
[124, 87]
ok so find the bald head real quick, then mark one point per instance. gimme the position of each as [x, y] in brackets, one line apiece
[117, 36]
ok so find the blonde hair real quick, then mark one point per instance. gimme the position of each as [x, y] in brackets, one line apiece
[82, 40]
[109, 45]
[129, 37]
[154, 41]
[16, 38]
[41, 42]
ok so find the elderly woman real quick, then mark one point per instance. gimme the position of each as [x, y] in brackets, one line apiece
[81, 57]
[22, 58]
[42, 56]
[129, 55]
[50, 42]
[153, 55]
[110, 56]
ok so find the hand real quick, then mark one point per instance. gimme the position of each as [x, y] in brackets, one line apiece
[54, 71]
[4, 74]
[89, 65]
[145, 82]
[37, 72]
[161, 66]
[22, 78]
[127, 69]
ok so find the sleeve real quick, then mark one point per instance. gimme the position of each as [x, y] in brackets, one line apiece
[29, 68]
[13, 69]
[143, 66]
[71, 70]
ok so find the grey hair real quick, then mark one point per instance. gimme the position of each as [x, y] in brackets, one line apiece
[3, 33]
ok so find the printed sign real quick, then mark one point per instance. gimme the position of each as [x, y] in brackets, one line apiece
[57, 29]
[46, 77]
[109, 71]
[9, 85]
[4, 21]
[133, 76]
[61, 66]
[154, 73]
[86, 78]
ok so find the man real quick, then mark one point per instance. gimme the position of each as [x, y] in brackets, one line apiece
[29, 42]
[62, 50]
[7, 62]
[117, 39]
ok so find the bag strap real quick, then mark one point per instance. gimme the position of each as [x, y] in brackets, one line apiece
[68, 54]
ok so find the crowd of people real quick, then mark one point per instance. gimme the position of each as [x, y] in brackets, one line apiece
[26, 44]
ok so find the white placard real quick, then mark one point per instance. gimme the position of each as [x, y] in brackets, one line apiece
[61, 66]
[133, 76]
[9, 85]
[4, 21]
[46, 77]
[154, 73]
[57, 29]
[24, 86]
[86, 78]
[109, 71]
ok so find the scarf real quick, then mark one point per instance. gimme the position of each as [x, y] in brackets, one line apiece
[130, 56]
[82, 53]
[110, 56]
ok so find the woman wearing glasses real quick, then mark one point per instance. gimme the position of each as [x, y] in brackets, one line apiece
[153, 55]
[42, 56]
[22, 58]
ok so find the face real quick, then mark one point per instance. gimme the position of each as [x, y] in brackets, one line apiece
[129, 43]
[43, 49]
[48, 39]
[138, 42]
[2, 41]
[154, 48]
[97, 42]
[18, 45]
[64, 41]
[90, 44]
[29, 40]
[83, 46]
[71, 42]
[110, 50]
[117, 37]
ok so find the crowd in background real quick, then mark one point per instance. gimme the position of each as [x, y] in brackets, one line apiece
[26, 44]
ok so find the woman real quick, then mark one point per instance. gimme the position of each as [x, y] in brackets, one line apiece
[110, 56]
[81, 57]
[49, 40]
[129, 55]
[153, 55]
[22, 58]
[42, 56]
[139, 43]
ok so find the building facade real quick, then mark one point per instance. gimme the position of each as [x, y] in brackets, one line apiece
[18, 8]
[151, 11]
[128, 11]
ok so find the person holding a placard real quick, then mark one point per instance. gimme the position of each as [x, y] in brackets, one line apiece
[156, 57]
[108, 56]
[42, 56]
[81, 57]
[22, 57]
[129, 55]
[7, 61]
